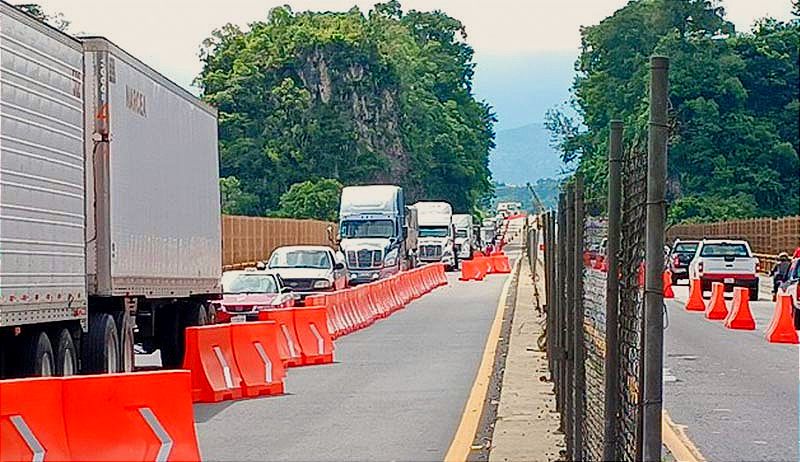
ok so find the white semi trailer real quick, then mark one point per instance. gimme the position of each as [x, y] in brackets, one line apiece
[109, 205]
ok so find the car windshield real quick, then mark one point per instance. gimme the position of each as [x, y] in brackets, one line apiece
[685, 247]
[318, 259]
[724, 250]
[434, 231]
[367, 228]
[252, 284]
[461, 233]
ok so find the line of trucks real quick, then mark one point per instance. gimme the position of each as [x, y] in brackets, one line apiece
[110, 230]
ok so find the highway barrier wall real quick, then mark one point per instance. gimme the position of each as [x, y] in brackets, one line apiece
[767, 236]
[247, 240]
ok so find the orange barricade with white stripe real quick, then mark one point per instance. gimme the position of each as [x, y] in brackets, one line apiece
[311, 327]
[209, 355]
[288, 346]
[255, 350]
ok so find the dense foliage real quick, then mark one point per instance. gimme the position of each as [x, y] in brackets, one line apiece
[311, 199]
[734, 106]
[381, 98]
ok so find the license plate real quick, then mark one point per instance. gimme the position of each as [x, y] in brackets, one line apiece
[728, 281]
[239, 318]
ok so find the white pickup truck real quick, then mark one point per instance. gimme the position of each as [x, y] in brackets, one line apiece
[727, 261]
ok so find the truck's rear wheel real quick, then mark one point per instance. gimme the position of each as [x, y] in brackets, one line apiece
[66, 356]
[37, 356]
[100, 346]
[171, 324]
[124, 323]
[754, 293]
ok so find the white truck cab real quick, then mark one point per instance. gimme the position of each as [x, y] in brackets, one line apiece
[465, 237]
[436, 233]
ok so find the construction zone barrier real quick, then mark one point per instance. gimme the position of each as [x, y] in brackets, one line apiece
[311, 327]
[781, 328]
[716, 309]
[358, 307]
[740, 316]
[288, 345]
[115, 417]
[255, 350]
[695, 301]
[472, 270]
[209, 356]
[666, 281]
[500, 264]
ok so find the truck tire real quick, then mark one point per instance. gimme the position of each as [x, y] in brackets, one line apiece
[124, 323]
[167, 325]
[754, 293]
[211, 312]
[171, 330]
[100, 346]
[37, 356]
[66, 356]
[796, 318]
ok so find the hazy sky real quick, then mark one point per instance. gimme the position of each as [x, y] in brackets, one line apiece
[524, 44]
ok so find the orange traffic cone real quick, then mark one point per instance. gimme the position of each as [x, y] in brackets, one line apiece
[695, 301]
[667, 282]
[781, 329]
[716, 308]
[740, 316]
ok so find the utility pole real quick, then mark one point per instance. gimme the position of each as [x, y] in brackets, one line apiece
[654, 259]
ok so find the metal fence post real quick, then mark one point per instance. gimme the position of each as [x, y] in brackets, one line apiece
[569, 314]
[578, 315]
[561, 288]
[654, 258]
[611, 370]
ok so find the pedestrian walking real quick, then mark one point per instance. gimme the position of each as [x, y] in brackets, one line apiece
[780, 272]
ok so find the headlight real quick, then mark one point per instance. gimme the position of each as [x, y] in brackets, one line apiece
[391, 258]
[322, 284]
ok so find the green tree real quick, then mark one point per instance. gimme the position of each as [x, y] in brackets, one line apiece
[234, 201]
[311, 199]
[382, 98]
[734, 136]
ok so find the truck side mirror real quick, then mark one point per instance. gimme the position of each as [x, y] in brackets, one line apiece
[338, 266]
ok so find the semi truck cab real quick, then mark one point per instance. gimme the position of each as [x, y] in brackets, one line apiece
[373, 232]
[436, 233]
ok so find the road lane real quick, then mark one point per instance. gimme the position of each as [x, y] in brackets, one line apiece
[737, 393]
[396, 392]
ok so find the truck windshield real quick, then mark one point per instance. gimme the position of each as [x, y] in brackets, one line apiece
[366, 228]
[434, 231]
[318, 259]
[724, 250]
[251, 284]
[461, 233]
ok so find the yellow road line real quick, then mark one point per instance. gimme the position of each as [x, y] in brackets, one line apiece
[468, 427]
[675, 439]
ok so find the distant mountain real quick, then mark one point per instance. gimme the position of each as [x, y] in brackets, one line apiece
[524, 155]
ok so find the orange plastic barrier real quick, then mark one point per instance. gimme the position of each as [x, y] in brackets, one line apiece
[740, 316]
[471, 270]
[500, 264]
[126, 417]
[486, 262]
[311, 327]
[666, 281]
[115, 417]
[209, 356]
[716, 309]
[781, 328]
[31, 422]
[255, 350]
[288, 345]
[695, 301]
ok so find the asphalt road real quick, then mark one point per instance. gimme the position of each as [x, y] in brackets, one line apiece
[396, 391]
[736, 393]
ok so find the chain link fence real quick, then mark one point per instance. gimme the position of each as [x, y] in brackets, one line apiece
[604, 298]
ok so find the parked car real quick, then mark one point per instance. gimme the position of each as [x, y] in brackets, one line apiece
[679, 258]
[792, 287]
[307, 269]
[246, 292]
[730, 262]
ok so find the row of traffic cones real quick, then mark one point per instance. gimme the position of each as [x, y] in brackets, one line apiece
[781, 328]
